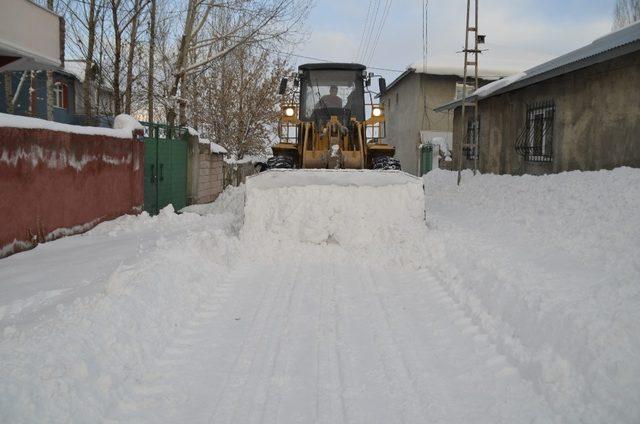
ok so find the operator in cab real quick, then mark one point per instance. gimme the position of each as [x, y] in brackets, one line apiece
[331, 100]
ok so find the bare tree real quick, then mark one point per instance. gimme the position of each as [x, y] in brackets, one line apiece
[152, 47]
[137, 10]
[626, 12]
[234, 101]
[88, 61]
[251, 22]
[121, 18]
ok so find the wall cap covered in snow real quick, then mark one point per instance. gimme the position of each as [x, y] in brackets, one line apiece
[25, 122]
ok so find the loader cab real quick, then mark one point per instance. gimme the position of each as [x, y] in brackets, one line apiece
[332, 89]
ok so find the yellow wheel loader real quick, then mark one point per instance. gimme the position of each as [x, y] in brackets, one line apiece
[323, 124]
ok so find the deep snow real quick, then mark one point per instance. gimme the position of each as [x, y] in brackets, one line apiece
[518, 301]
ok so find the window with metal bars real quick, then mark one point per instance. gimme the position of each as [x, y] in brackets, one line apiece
[535, 141]
[471, 150]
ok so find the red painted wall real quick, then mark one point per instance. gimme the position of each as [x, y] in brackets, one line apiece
[52, 180]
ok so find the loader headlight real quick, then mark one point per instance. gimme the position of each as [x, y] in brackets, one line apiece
[289, 111]
[376, 111]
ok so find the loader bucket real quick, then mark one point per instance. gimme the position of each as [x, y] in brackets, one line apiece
[347, 207]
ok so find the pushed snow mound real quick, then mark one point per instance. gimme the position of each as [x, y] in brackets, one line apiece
[345, 207]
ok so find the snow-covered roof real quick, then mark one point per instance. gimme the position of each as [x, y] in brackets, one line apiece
[610, 46]
[123, 125]
[449, 70]
[75, 68]
[213, 147]
[458, 71]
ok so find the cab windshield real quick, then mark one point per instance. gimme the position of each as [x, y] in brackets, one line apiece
[326, 93]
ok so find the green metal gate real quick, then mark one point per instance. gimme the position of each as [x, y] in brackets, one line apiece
[165, 167]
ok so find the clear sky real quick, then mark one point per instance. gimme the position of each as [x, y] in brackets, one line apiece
[520, 33]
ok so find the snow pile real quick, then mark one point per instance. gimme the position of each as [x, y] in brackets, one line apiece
[367, 211]
[15, 121]
[228, 208]
[549, 268]
[72, 363]
[127, 123]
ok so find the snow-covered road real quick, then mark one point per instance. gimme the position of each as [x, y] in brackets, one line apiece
[517, 302]
[345, 344]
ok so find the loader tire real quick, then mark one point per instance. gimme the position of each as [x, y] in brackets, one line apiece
[386, 163]
[280, 162]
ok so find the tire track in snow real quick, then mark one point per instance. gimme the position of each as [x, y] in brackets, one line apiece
[470, 379]
[271, 362]
[152, 385]
[330, 378]
[397, 370]
[228, 400]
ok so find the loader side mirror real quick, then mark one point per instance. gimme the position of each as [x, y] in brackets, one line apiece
[382, 85]
[283, 86]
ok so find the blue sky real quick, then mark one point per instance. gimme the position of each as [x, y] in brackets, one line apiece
[520, 33]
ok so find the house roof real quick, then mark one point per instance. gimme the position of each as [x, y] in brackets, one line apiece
[610, 46]
[441, 70]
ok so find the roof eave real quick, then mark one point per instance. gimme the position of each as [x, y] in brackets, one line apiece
[568, 68]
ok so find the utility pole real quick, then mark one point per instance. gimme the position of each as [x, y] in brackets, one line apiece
[473, 52]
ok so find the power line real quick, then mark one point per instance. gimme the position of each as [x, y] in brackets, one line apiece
[364, 29]
[387, 7]
[370, 30]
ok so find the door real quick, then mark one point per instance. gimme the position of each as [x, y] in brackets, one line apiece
[165, 180]
[150, 175]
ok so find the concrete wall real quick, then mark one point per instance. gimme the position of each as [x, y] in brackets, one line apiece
[55, 183]
[204, 173]
[31, 30]
[596, 125]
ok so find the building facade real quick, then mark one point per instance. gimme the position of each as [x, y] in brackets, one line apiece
[577, 112]
[409, 116]
[25, 93]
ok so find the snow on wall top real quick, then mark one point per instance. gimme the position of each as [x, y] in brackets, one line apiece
[123, 126]
[213, 147]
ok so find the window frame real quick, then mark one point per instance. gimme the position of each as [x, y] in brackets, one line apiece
[60, 95]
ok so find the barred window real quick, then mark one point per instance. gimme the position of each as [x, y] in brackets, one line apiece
[535, 142]
[473, 139]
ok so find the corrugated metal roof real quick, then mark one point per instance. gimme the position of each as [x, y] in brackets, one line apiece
[616, 44]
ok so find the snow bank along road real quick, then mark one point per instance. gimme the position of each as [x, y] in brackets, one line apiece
[199, 318]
